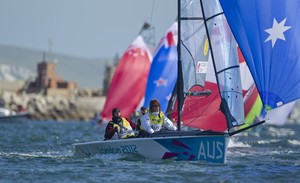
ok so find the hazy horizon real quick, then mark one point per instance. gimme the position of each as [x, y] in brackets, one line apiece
[88, 29]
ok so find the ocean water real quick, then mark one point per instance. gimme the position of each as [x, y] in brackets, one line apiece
[41, 151]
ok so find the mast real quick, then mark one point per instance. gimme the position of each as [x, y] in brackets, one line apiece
[179, 71]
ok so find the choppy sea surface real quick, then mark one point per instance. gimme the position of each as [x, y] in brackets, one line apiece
[41, 151]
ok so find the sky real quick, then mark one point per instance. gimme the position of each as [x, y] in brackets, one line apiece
[84, 28]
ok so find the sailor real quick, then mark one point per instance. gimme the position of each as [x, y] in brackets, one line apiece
[154, 120]
[118, 128]
[143, 111]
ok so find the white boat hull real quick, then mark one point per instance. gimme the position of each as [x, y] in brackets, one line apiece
[211, 148]
[19, 117]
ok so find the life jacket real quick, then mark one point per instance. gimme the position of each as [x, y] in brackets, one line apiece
[156, 122]
[124, 129]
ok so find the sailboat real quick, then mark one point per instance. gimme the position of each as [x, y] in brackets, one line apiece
[279, 116]
[203, 34]
[253, 107]
[213, 100]
[162, 78]
[7, 115]
[129, 80]
[254, 110]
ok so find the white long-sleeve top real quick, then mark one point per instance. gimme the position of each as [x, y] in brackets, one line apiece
[146, 125]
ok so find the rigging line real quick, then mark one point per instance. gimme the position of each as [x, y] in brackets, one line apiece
[196, 31]
[193, 60]
[190, 36]
[147, 31]
[204, 110]
[151, 16]
[153, 2]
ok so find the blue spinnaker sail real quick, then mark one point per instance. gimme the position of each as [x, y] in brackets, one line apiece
[268, 33]
[163, 72]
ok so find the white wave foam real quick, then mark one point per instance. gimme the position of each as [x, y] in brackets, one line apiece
[294, 142]
[49, 154]
[281, 132]
[233, 143]
[268, 141]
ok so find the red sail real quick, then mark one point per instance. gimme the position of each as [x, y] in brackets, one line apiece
[128, 85]
[203, 112]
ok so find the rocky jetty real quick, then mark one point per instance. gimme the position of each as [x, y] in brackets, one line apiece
[82, 107]
[59, 108]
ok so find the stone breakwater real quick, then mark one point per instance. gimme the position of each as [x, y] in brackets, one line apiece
[59, 108]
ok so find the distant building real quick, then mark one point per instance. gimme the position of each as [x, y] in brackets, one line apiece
[48, 83]
[46, 77]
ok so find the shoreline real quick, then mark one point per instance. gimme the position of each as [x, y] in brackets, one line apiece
[56, 108]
